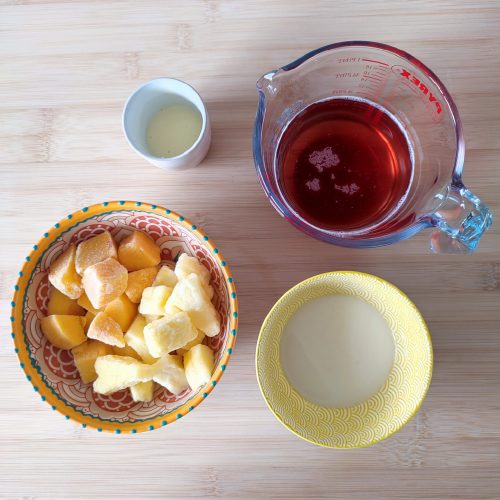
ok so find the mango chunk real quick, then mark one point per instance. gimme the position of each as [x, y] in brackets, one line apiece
[61, 304]
[187, 265]
[143, 391]
[104, 282]
[154, 299]
[84, 302]
[63, 331]
[63, 275]
[94, 250]
[197, 340]
[190, 296]
[168, 334]
[138, 281]
[115, 373]
[135, 339]
[106, 329]
[126, 351]
[137, 251]
[165, 277]
[89, 317]
[122, 310]
[169, 373]
[85, 355]
[199, 365]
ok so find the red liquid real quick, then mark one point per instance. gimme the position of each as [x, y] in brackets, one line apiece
[343, 164]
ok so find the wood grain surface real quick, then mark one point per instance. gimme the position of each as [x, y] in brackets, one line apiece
[66, 68]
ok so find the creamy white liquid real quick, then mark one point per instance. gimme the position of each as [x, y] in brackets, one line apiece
[337, 351]
[173, 130]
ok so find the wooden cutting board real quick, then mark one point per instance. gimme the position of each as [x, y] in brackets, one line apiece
[66, 69]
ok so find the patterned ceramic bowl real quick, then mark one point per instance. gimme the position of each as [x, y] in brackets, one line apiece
[52, 371]
[389, 409]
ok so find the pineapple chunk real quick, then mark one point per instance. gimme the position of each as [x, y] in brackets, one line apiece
[61, 304]
[138, 281]
[170, 309]
[197, 340]
[89, 317]
[104, 282]
[199, 365]
[143, 391]
[190, 296]
[151, 317]
[165, 277]
[126, 351]
[84, 302]
[135, 339]
[154, 299]
[168, 334]
[115, 373]
[122, 310]
[169, 373]
[63, 275]
[187, 265]
[85, 355]
[107, 330]
[138, 251]
[94, 250]
[63, 330]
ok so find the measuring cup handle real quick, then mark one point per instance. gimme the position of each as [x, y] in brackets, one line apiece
[460, 222]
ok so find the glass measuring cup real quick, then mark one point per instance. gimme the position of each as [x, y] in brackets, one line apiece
[394, 80]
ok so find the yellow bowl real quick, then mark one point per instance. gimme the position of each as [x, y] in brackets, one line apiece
[52, 371]
[388, 410]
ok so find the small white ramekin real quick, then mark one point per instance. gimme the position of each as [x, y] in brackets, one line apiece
[147, 100]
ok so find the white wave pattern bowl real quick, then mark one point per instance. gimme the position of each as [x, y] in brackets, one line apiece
[52, 371]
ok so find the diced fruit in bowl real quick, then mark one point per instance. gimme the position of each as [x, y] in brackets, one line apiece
[122, 310]
[187, 265]
[85, 356]
[138, 281]
[115, 373]
[168, 371]
[154, 299]
[165, 277]
[61, 304]
[64, 331]
[143, 391]
[107, 330]
[190, 296]
[169, 333]
[135, 339]
[94, 250]
[104, 282]
[129, 322]
[199, 364]
[138, 251]
[63, 275]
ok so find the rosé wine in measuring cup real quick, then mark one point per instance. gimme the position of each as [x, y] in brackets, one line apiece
[359, 144]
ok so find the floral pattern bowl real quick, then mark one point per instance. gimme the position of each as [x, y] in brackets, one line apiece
[52, 371]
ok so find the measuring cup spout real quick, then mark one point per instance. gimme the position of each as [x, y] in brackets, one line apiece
[460, 221]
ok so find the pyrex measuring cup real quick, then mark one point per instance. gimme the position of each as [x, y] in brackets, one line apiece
[412, 93]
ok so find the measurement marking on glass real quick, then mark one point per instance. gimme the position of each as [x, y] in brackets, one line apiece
[376, 62]
[373, 78]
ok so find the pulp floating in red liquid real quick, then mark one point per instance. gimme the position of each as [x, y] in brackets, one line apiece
[343, 164]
